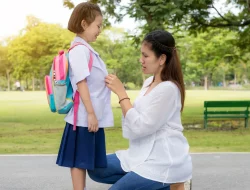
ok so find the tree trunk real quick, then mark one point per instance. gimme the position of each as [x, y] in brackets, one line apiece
[41, 79]
[8, 79]
[205, 83]
[210, 82]
[235, 78]
[33, 83]
[27, 84]
[41, 84]
[224, 80]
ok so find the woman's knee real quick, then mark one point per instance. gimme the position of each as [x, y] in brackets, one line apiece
[111, 173]
[96, 174]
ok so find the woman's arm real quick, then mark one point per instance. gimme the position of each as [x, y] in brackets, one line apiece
[114, 84]
[158, 109]
[85, 97]
[160, 105]
[124, 102]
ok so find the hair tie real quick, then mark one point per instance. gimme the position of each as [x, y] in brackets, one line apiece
[163, 47]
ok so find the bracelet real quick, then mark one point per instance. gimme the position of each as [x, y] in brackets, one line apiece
[123, 99]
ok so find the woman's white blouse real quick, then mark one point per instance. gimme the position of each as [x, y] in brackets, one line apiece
[157, 148]
[99, 93]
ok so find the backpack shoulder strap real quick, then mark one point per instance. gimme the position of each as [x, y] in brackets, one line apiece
[76, 98]
[90, 64]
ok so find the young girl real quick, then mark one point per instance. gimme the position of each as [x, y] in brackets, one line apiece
[84, 148]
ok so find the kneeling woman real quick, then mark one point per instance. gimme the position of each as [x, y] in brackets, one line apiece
[158, 154]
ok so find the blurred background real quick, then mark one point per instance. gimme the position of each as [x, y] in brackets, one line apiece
[212, 38]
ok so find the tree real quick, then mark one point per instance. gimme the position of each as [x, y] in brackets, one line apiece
[119, 54]
[5, 65]
[109, 5]
[245, 65]
[33, 50]
[204, 54]
[194, 15]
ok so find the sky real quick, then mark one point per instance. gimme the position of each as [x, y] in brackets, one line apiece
[13, 15]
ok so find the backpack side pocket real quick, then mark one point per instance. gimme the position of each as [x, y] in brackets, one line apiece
[49, 93]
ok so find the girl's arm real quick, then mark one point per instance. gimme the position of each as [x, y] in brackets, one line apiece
[79, 59]
[85, 97]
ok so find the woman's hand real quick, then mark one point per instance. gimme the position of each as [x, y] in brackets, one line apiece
[92, 123]
[114, 84]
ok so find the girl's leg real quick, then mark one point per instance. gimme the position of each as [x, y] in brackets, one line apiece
[78, 178]
[134, 181]
[111, 174]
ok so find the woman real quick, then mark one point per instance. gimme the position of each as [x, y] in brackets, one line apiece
[158, 154]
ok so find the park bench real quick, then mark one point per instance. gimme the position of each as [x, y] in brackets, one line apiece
[230, 110]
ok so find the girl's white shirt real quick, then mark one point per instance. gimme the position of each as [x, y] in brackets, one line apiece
[157, 148]
[100, 95]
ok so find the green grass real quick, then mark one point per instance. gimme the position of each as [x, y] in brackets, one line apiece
[27, 125]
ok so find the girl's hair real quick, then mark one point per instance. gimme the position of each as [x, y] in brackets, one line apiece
[84, 11]
[162, 42]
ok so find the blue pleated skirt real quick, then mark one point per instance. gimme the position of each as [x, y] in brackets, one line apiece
[82, 149]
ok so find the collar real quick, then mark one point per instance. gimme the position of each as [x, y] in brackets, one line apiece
[79, 39]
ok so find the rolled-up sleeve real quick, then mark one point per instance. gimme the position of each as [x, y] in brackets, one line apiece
[160, 108]
[78, 61]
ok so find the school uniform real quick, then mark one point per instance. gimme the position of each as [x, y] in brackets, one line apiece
[80, 148]
[157, 149]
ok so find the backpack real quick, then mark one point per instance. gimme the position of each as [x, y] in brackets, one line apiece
[59, 90]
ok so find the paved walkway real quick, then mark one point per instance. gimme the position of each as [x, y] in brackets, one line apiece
[213, 171]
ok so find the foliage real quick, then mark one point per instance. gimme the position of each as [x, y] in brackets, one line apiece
[211, 54]
[217, 54]
[5, 65]
[119, 54]
[32, 52]
[194, 15]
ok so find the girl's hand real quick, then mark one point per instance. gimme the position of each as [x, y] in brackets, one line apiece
[114, 84]
[92, 123]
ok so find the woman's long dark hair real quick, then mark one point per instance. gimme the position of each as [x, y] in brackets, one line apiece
[163, 42]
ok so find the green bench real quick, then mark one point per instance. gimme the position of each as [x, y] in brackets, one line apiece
[228, 112]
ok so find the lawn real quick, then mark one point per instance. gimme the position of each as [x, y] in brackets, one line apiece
[27, 125]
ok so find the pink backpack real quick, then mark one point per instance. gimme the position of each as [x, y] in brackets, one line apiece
[59, 90]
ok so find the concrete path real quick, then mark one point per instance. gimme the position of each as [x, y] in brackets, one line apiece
[212, 171]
